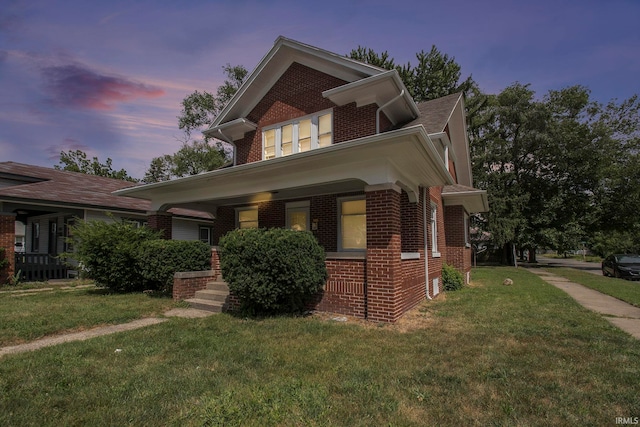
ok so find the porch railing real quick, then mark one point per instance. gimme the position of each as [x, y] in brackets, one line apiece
[39, 267]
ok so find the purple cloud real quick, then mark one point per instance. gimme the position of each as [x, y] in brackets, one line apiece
[76, 86]
[68, 144]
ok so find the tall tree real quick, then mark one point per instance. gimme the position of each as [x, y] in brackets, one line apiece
[77, 161]
[435, 75]
[199, 109]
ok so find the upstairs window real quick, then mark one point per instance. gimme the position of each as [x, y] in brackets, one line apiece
[303, 134]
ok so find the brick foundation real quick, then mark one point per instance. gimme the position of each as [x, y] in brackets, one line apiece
[185, 284]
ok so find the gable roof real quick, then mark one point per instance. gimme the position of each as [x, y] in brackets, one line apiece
[38, 184]
[364, 84]
[435, 114]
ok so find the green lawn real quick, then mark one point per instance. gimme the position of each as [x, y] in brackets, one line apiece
[31, 315]
[624, 290]
[490, 354]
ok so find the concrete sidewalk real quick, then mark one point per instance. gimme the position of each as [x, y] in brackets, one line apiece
[103, 330]
[619, 313]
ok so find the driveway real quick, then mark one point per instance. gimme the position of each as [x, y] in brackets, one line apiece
[590, 267]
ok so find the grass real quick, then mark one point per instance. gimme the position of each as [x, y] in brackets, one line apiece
[488, 355]
[31, 315]
[54, 284]
[624, 290]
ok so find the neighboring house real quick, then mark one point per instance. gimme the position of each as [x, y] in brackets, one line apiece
[44, 202]
[338, 147]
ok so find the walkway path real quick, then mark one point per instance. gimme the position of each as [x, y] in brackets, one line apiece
[619, 313]
[104, 330]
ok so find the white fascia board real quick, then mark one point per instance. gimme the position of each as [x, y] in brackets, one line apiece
[406, 156]
[475, 201]
[368, 90]
[235, 129]
[285, 51]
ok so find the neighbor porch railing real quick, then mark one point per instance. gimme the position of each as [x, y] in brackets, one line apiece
[39, 267]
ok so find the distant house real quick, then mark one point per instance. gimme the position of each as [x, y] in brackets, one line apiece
[42, 203]
[338, 147]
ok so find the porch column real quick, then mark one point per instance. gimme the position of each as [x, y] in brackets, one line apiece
[162, 222]
[7, 242]
[384, 252]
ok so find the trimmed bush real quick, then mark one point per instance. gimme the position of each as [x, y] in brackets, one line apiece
[107, 252]
[159, 260]
[452, 279]
[272, 270]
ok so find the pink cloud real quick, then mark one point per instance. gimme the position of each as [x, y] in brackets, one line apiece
[79, 87]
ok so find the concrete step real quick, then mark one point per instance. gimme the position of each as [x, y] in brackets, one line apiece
[218, 286]
[212, 295]
[205, 304]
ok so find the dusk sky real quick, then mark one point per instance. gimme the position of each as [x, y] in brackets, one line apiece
[107, 77]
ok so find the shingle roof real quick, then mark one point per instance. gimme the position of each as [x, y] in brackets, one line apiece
[435, 114]
[75, 189]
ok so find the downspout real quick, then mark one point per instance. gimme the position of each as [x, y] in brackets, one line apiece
[426, 244]
[229, 141]
[394, 99]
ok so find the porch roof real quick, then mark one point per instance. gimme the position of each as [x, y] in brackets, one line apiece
[472, 199]
[406, 157]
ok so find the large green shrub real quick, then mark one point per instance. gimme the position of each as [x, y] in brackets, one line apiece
[274, 270]
[452, 279]
[108, 251]
[160, 259]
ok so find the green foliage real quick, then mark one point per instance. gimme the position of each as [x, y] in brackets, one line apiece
[435, 75]
[159, 260]
[452, 279]
[616, 242]
[274, 270]
[192, 159]
[76, 161]
[108, 252]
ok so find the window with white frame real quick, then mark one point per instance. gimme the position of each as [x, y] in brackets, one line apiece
[247, 217]
[204, 234]
[303, 134]
[352, 233]
[434, 230]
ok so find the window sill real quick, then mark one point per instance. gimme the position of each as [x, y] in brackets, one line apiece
[410, 255]
[436, 254]
[360, 255]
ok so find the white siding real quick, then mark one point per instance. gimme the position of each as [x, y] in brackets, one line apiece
[184, 230]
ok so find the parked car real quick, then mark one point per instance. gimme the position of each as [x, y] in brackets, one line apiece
[625, 266]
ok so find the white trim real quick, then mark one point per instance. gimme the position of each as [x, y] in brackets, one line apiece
[433, 222]
[314, 133]
[410, 255]
[382, 187]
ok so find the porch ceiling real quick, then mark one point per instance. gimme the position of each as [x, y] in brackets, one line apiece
[405, 157]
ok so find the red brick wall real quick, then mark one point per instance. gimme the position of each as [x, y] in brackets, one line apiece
[186, 284]
[458, 254]
[7, 241]
[298, 93]
[344, 292]
[384, 269]
[161, 221]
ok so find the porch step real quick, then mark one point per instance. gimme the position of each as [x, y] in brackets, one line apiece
[214, 298]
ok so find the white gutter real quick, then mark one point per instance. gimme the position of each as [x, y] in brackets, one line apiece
[426, 244]
[391, 101]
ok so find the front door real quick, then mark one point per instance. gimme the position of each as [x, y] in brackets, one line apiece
[298, 216]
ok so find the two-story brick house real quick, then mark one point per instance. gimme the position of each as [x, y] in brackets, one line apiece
[338, 147]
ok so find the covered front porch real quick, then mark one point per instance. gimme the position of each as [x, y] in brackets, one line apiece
[365, 201]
